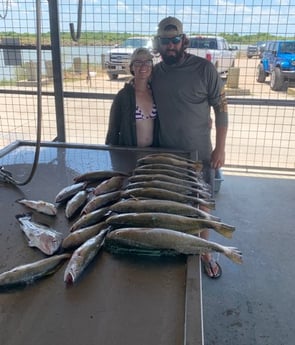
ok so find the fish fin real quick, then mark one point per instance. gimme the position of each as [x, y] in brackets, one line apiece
[234, 254]
[224, 229]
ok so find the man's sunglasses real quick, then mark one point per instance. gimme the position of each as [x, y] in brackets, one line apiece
[166, 40]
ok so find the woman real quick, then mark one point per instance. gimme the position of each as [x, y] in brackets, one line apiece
[133, 112]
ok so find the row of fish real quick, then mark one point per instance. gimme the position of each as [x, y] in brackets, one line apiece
[159, 208]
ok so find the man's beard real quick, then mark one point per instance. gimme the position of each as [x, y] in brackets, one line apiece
[173, 59]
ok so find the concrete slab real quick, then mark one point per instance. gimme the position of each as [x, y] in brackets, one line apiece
[254, 303]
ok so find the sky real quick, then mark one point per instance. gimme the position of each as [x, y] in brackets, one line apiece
[244, 17]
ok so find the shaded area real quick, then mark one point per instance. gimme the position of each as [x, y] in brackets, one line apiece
[251, 304]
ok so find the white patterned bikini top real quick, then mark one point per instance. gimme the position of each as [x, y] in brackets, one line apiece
[139, 115]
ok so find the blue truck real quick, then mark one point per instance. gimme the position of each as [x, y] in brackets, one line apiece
[277, 62]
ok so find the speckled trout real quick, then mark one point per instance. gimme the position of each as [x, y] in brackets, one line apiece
[163, 194]
[28, 273]
[165, 239]
[82, 256]
[164, 206]
[162, 159]
[169, 221]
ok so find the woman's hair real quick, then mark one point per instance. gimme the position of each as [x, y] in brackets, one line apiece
[140, 53]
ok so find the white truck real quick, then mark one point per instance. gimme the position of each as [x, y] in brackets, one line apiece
[215, 49]
[118, 58]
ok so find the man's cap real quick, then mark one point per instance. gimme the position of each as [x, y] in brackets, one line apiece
[170, 25]
[141, 53]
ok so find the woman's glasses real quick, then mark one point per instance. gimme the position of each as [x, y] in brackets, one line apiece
[166, 40]
[139, 63]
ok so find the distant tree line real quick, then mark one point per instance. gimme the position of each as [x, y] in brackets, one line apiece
[111, 38]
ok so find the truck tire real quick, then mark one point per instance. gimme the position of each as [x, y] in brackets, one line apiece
[261, 75]
[277, 80]
[113, 76]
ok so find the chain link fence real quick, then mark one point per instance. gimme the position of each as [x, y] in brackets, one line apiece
[77, 91]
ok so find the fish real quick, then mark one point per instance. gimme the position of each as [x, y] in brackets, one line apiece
[161, 177]
[69, 191]
[76, 238]
[40, 206]
[99, 175]
[167, 172]
[76, 203]
[166, 239]
[163, 194]
[90, 219]
[171, 187]
[82, 256]
[172, 155]
[197, 166]
[169, 221]
[28, 273]
[172, 167]
[110, 185]
[157, 205]
[101, 201]
[41, 236]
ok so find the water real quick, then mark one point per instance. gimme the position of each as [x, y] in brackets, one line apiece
[68, 54]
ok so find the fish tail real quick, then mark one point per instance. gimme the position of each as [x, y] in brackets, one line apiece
[233, 254]
[208, 203]
[224, 229]
[198, 166]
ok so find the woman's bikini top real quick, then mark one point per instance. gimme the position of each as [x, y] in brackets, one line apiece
[139, 115]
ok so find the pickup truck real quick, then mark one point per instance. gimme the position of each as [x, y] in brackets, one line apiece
[255, 49]
[278, 62]
[215, 49]
[118, 58]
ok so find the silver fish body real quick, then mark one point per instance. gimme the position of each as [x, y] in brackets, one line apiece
[43, 237]
[101, 201]
[162, 159]
[78, 237]
[110, 185]
[90, 219]
[28, 273]
[99, 175]
[163, 194]
[40, 206]
[157, 205]
[166, 239]
[161, 177]
[170, 167]
[69, 191]
[170, 186]
[76, 203]
[172, 155]
[82, 256]
[167, 172]
[169, 221]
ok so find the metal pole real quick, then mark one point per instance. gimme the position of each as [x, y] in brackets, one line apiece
[57, 70]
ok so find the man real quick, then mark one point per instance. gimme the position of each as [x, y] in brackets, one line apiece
[185, 87]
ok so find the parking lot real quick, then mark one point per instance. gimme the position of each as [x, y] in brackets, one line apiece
[259, 135]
